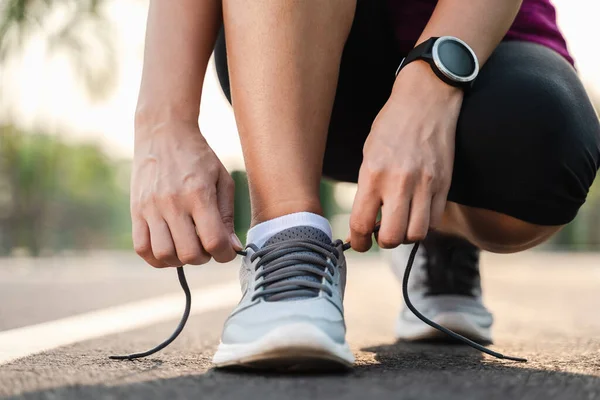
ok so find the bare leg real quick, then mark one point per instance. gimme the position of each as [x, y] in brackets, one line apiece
[284, 59]
[493, 231]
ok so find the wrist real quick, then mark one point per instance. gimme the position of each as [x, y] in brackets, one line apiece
[418, 77]
[149, 115]
[159, 130]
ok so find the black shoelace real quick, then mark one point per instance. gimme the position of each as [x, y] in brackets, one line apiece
[280, 290]
[285, 264]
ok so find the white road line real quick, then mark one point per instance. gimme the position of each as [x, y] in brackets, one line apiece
[21, 342]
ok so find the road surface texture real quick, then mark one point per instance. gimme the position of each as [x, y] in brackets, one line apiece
[547, 309]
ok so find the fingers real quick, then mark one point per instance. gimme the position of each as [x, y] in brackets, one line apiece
[406, 214]
[405, 217]
[187, 244]
[394, 221]
[438, 206]
[418, 222]
[362, 220]
[163, 247]
[142, 243]
[187, 229]
[213, 234]
[225, 204]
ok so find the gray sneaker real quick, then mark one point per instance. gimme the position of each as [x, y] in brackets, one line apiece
[291, 314]
[445, 287]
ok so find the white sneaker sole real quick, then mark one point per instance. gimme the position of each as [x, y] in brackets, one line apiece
[461, 323]
[300, 346]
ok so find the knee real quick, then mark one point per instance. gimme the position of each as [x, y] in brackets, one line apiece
[501, 233]
[541, 103]
[528, 146]
[529, 114]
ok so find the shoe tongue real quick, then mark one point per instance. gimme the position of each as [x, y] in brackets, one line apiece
[451, 266]
[299, 232]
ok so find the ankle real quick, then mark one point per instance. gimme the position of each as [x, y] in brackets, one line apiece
[281, 208]
[306, 221]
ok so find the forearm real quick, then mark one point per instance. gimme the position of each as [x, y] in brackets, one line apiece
[480, 23]
[179, 41]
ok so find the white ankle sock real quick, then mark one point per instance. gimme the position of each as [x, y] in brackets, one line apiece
[262, 232]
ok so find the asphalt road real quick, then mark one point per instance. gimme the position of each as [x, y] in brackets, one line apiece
[547, 309]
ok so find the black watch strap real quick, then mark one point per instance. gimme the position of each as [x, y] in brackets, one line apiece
[424, 52]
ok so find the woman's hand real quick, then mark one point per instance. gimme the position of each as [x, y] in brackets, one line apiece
[408, 160]
[181, 198]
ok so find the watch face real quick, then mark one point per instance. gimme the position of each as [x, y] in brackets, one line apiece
[455, 59]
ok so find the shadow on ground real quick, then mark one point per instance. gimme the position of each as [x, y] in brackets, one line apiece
[397, 371]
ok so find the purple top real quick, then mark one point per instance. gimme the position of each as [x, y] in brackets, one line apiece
[536, 22]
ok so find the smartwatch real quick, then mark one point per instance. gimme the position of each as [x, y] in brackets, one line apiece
[451, 59]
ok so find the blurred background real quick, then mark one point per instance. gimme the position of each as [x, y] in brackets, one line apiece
[69, 75]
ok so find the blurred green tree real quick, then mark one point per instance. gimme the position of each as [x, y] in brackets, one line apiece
[53, 195]
[56, 196]
[78, 28]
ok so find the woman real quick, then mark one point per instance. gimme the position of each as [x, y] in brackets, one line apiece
[483, 134]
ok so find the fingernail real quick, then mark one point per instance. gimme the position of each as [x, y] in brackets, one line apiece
[235, 241]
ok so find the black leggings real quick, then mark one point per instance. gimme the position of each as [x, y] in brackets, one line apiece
[527, 141]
